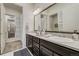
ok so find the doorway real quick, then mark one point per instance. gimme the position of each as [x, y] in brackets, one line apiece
[11, 27]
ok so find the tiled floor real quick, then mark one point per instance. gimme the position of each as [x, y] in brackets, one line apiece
[12, 52]
[22, 52]
[10, 46]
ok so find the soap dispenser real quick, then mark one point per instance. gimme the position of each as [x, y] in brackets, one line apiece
[75, 35]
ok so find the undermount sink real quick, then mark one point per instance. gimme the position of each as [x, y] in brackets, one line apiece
[58, 39]
[61, 39]
[48, 35]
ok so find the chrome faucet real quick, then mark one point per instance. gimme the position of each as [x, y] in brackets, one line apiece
[39, 30]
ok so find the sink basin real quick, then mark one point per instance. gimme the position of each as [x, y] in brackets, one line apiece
[48, 35]
[61, 39]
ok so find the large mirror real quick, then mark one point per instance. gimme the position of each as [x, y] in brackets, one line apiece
[59, 17]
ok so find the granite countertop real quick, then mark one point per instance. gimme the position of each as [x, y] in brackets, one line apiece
[72, 45]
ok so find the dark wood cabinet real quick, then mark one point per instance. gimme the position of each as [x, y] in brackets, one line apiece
[41, 47]
[60, 50]
[32, 43]
[29, 42]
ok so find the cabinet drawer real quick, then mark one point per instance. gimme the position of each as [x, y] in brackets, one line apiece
[35, 52]
[29, 40]
[36, 39]
[35, 48]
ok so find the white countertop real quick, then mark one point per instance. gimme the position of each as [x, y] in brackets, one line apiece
[72, 45]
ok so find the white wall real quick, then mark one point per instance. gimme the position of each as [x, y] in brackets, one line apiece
[19, 4]
[3, 28]
[27, 21]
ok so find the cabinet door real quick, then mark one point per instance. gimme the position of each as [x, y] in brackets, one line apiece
[29, 42]
[35, 49]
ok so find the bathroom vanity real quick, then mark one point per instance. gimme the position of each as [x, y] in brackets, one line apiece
[43, 46]
[59, 19]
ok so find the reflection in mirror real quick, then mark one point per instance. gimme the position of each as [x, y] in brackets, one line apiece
[37, 21]
[63, 17]
[53, 23]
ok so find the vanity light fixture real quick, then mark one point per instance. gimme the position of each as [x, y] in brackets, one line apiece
[36, 11]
